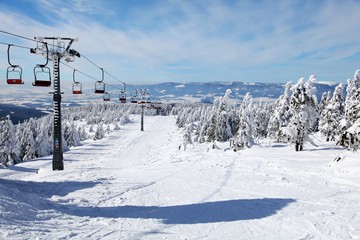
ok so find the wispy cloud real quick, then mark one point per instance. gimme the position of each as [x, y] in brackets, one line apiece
[233, 36]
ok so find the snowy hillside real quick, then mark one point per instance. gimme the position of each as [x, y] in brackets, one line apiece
[140, 185]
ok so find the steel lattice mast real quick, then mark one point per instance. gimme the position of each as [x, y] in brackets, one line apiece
[58, 51]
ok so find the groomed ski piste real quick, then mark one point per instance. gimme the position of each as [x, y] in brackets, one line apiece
[142, 185]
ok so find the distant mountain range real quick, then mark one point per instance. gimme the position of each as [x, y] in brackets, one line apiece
[28, 105]
[207, 92]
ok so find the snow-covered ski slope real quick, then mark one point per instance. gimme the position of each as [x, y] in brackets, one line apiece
[139, 185]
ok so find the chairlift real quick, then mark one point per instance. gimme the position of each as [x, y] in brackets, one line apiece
[42, 76]
[76, 87]
[134, 97]
[100, 85]
[13, 72]
[122, 97]
[42, 73]
[106, 96]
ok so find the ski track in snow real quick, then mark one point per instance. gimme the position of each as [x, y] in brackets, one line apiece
[139, 185]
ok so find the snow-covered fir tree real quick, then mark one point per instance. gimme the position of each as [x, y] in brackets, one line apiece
[71, 134]
[212, 125]
[27, 143]
[187, 139]
[43, 138]
[261, 117]
[99, 133]
[350, 138]
[203, 124]
[352, 87]
[223, 130]
[9, 149]
[243, 138]
[325, 99]
[332, 114]
[303, 105]
[280, 117]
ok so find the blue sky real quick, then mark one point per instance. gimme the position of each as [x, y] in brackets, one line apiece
[149, 41]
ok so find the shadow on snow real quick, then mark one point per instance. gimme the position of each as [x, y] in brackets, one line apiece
[35, 196]
[207, 212]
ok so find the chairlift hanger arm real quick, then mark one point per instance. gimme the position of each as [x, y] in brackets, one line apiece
[74, 76]
[8, 53]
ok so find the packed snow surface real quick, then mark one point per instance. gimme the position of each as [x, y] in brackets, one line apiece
[143, 185]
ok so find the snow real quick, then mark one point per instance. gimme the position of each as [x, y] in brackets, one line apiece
[140, 185]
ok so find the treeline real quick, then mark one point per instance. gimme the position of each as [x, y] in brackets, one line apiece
[290, 119]
[34, 137]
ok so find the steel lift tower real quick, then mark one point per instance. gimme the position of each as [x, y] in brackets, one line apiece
[59, 49]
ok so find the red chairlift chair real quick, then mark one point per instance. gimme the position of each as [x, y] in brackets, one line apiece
[13, 72]
[122, 97]
[100, 85]
[42, 73]
[76, 87]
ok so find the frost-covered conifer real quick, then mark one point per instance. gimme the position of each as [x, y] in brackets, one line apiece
[332, 114]
[9, 149]
[43, 140]
[243, 138]
[303, 105]
[350, 137]
[71, 135]
[99, 134]
[203, 124]
[223, 129]
[187, 134]
[212, 125]
[325, 99]
[280, 116]
[82, 132]
[28, 146]
[260, 120]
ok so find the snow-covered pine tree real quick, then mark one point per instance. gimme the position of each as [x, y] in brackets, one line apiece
[325, 99]
[28, 146]
[189, 128]
[243, 138]
[260, 120]
[71, 135]
[303, 105]
[350, 138]
[212, 125]
[280, 116]
[223, 130]
[203, 124]
[9, 149]
[99, 133]
[332, 114]
[82, 132]
[43, 142]
[352, 87]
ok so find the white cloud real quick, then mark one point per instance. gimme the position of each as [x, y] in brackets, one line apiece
[200, 34]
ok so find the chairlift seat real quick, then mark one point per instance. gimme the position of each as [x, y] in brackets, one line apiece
[77, 88]
[99, 87]
[42, 72]
[42, 83]
[99, 91]
[14, 81]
